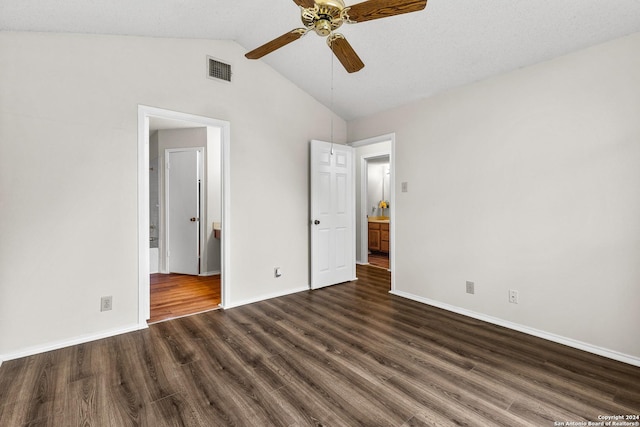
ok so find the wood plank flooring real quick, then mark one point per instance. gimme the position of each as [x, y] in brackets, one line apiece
[346, 355]
[379, 259]
[176, 295]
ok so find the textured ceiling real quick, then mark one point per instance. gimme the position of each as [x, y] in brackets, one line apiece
[407, 57]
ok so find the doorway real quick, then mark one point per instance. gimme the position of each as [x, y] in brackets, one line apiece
[214, 217]
[380, 150]
[375, 200]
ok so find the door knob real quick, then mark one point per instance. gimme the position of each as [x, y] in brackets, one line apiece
[316, 222]
[194, 219]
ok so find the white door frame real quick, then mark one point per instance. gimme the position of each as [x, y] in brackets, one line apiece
[392, 197]
[144, 113]
[202, 201]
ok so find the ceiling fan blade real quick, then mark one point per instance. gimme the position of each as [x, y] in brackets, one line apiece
[376, 9]
[276, 43]
[345, 53]
[305, 3]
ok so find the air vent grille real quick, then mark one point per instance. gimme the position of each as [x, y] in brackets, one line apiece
[219, 70]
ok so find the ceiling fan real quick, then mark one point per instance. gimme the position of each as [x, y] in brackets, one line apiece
[326, 16]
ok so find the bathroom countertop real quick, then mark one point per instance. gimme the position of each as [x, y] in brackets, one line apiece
[379, 219]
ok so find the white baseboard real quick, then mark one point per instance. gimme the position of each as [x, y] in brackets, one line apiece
[105, 334]
[611, 354]
[30, 351]
[210, 273]
[265, 297]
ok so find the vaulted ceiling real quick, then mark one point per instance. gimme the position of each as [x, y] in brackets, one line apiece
[407, 57]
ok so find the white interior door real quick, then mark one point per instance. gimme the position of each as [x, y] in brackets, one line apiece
[333, 255]
[183, 211]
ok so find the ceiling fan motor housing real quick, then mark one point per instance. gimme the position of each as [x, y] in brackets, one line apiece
[325, 17]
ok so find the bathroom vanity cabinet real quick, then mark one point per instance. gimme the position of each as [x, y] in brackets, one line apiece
[379, 235]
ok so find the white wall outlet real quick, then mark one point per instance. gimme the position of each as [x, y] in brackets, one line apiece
[106, 303]
[277, 272]
[513, 296]
[470, 287]
[405, 187]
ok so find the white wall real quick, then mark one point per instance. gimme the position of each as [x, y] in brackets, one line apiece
[68, 149]
[527, 181]
[212, 252]
[154, 199]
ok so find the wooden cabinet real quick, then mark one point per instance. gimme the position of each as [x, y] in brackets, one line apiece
[379, 236]
[374, 236]
[384, 238]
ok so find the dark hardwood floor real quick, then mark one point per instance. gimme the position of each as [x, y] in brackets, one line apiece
[346, 355]
[176, 295]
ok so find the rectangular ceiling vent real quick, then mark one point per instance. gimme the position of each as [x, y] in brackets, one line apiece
[218, 70]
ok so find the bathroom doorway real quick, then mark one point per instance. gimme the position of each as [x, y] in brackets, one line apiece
[376, 192]
[375, 203]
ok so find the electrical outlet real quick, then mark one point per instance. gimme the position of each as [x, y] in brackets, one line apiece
[277, 272]
[470, 287]
[513, 296]
[405, 187]
[106, 303]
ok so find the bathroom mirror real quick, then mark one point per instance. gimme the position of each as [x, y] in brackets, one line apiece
[378, 187]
